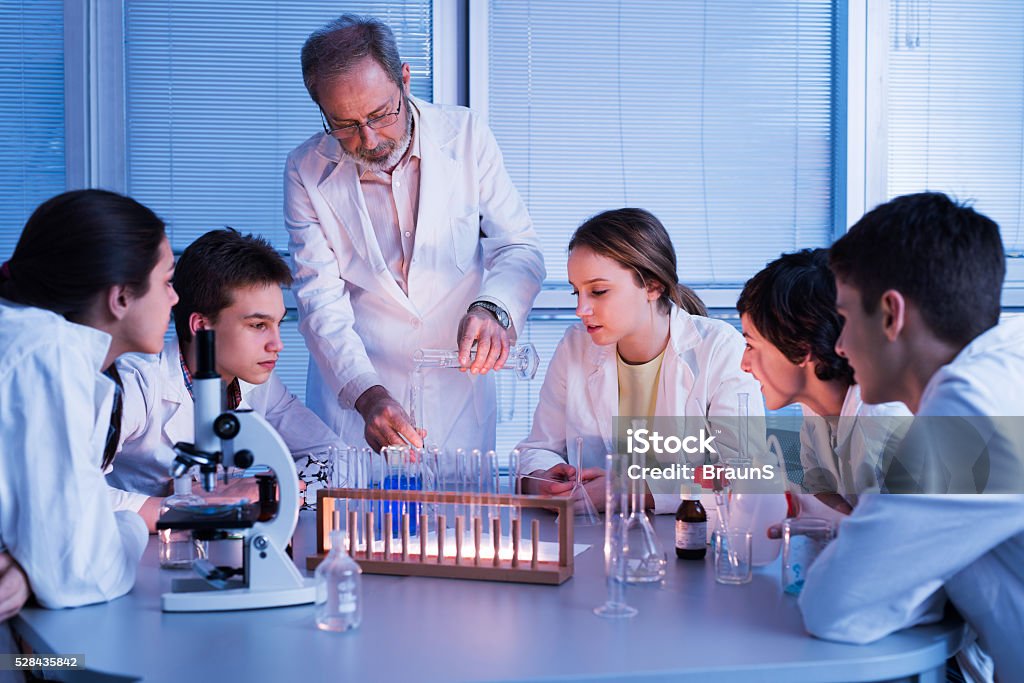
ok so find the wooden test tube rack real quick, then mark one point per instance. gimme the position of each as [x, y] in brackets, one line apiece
[436, 561]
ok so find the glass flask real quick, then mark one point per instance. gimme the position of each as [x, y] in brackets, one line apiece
[522, 359]
[178, 548]
[339, 589]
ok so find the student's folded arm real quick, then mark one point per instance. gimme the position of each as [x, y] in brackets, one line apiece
[882, 572]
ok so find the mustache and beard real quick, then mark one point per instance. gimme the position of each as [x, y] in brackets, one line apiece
[386, 155]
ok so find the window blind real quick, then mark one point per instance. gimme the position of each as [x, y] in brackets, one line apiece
[956, 105]
[31, 111]
[717, 116]
[215, 101]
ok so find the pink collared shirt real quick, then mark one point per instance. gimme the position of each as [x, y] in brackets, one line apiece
[392, 200]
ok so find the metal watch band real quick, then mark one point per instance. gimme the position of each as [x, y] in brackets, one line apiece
[500, 314]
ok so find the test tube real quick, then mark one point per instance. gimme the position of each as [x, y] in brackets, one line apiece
[416, 403]
[513, 510]
[743, 415]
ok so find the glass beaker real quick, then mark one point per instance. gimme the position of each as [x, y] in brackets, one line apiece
[732, 553]
[178, 547]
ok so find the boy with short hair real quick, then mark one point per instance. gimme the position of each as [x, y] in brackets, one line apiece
[790, 325]
[229, 283]
[919, 282]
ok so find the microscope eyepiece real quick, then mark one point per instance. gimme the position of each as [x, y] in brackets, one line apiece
[206, 365]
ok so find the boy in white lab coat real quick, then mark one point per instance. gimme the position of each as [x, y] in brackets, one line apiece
[919, 281]
[229, 283]
[790, 325]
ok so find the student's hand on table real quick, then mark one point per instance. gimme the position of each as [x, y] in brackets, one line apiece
[14, 587]
[556, 481]
[387, 423]
[492, 342]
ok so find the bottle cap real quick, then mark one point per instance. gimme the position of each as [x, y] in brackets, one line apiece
[690, 491]
[183, 485]
[338, 539]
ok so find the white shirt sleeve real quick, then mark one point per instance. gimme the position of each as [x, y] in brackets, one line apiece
[885, 570]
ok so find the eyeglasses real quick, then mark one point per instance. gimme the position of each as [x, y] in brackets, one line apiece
[352, 130]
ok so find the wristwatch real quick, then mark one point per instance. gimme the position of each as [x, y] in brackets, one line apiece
[497, 311]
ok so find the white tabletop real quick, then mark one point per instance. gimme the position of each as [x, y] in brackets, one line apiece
[422, 629]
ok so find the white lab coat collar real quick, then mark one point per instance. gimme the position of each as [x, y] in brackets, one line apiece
[341, 191]
[1008, 335]
[179, 420]
[1006, 338]
[94, 343]
[179, 425]
[847, 417]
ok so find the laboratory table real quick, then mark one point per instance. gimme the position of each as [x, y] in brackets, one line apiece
[425, 629]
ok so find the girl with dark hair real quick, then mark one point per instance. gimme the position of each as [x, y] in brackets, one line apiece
[790, 323]
[89, 279]
[643, 348]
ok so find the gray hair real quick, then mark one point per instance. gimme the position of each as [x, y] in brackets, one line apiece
[335, 48]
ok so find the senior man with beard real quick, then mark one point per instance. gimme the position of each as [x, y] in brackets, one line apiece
[405, 232]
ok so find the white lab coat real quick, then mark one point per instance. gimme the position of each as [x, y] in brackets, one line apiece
[700, 378]
[474, 239]
[896, 551]
[159, 412]
[847, 462]
[56, 517]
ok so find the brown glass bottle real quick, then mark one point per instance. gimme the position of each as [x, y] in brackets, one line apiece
[691, 529]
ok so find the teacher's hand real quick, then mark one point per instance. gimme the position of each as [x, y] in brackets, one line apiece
[492, 342]
[387, 423]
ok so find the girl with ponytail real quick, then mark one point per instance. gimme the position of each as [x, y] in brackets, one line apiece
[89, 279]
[643, 348]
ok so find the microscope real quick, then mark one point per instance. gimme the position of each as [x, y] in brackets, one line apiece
[243, 439]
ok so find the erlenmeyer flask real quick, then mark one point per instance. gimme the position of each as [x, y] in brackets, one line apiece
[644, 555]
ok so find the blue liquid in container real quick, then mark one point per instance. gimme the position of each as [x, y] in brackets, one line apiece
[402, 482]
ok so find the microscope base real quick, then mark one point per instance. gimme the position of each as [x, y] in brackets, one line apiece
[198, 596]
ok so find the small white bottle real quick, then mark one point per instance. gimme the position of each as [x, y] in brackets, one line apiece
[339, 589]
[177, 546]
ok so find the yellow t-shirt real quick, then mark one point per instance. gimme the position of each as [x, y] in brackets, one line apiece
[638, 386]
